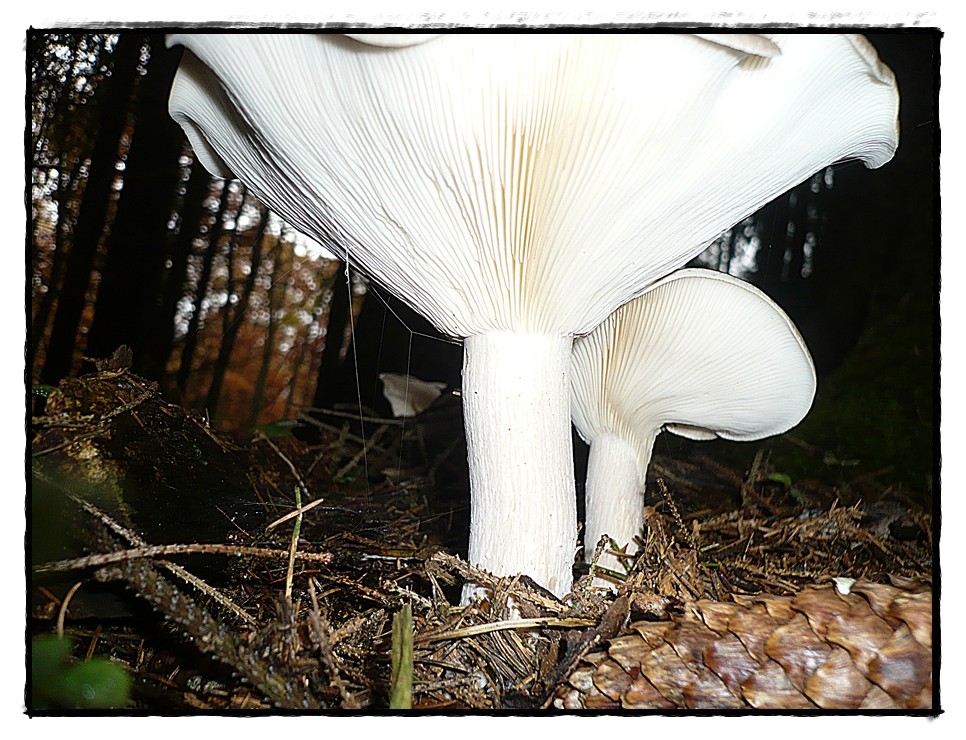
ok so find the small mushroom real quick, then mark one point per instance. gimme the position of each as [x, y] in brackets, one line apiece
[700, 354]
[409, 395]
[500, 184]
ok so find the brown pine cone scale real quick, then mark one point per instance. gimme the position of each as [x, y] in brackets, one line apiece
[868, 649]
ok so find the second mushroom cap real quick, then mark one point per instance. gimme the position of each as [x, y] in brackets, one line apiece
[700, 354]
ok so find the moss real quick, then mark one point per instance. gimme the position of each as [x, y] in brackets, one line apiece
[873, 416]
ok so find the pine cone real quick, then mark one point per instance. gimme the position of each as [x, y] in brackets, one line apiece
[820, 649]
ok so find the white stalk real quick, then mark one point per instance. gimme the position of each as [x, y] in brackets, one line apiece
[614, 498]
[516, 407]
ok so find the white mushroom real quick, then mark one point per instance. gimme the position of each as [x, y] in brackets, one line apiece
[700, 354]
[409, 395]
[516, 189]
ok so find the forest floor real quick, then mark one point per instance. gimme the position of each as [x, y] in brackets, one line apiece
[317, 566]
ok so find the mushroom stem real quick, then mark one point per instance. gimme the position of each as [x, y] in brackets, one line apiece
[516, 408]
[614, 497]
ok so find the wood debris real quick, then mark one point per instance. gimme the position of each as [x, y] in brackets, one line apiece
[721, 609]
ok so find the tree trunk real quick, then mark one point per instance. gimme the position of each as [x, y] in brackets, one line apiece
[41, 319]
[332, 360]
[234, 319]
[140, 239]
[279, 270]
[201, 291]
[304, 371]
[160, 331]
[94, 209]
[66, 155]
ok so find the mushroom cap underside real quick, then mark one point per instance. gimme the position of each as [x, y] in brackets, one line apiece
[701, 354]
[503, 181]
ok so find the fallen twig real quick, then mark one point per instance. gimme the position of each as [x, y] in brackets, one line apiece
[155, 551]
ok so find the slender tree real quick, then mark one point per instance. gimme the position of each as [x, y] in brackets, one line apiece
[93, 214]
[140, 237]
[65, 71]
[335, 328]
[201, 291]
[235, 316]
[159, 336]
[280, 261]
[63, 195]
[306, 364]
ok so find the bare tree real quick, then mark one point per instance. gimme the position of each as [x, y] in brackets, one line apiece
[232, 318]
[141, 236]
[113, 107]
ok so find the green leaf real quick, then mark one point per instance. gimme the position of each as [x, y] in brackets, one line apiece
[48, 654]
[781, 478]
[401, 685]
[58, 682]
[97, 684]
